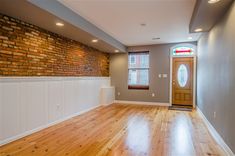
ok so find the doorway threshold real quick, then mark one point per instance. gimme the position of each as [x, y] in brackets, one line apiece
[181, 107]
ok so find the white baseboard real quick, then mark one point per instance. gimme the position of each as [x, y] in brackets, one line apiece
[14, 138]
[107, 104]
[215, 134]
[142, 103]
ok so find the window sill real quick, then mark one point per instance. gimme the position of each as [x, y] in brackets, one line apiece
[139, 87]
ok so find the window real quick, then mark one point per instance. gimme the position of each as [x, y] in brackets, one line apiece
[138, 70]
[182, 75]
[132, 61]
[183, 50]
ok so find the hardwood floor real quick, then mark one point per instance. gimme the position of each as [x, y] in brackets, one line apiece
[121, 130]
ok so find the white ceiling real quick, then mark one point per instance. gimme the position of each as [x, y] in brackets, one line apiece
[122, 19]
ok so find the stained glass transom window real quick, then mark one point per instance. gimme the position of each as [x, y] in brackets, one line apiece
[183, 51]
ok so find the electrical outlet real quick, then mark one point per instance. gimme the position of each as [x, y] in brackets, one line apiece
[160, 75]
[164, 75]
[153, 95]
[214, 114]
[118, 93]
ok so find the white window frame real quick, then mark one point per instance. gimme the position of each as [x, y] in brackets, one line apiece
[146, 87]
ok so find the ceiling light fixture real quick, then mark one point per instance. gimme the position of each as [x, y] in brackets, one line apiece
[198, 30]
[190, 38]
[59, 24]
[94, 40]
[156, 38]
[116, 51]
[213, 1]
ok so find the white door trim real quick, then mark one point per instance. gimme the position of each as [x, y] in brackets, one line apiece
[194, 78]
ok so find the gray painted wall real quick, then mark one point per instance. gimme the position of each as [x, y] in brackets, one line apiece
[159, 64]
[216, 77]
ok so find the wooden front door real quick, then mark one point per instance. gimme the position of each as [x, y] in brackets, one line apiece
[182, 81]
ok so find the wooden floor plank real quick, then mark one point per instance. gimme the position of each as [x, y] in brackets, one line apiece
[121, 130]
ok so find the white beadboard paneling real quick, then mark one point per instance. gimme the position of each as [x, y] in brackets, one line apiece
[1, 113]
[29, 104]
[55, 100]
[82, 91]
[10, 110]
[33, 105]
[69, 98]
[91, 101]
[107, 95]
[79, 105]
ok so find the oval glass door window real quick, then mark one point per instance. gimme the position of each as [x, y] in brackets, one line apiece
[182, 75]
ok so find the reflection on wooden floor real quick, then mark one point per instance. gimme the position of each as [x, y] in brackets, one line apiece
[121, 130]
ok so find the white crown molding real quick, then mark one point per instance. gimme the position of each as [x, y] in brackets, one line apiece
[215, 134]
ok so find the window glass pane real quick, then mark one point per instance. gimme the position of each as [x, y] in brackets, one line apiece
[132, 60]
[182, 75]
[139, 60]
[138, 68]
[138, 77]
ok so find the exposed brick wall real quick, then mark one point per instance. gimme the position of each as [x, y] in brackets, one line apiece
[27, 50]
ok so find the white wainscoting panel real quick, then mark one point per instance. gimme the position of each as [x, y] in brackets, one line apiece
[33, 105]
[1, 115]
[10, 109]
[107, 95]
[29, 104]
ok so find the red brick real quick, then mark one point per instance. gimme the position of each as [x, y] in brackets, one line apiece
[33, 51]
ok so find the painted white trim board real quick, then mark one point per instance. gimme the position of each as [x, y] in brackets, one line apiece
[142, 103]
[14, 138]
[49, 78]
[215, 134]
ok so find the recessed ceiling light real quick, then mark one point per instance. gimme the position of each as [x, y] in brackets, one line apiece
[116, 51]
[94, 40]
[213, 1]
[190, 38]
[156, 38]
[59, 24]
[198, 30]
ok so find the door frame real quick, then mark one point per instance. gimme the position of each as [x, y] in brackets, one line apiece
[194, 70]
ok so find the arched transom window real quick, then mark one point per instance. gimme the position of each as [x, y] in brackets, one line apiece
[183, 50]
